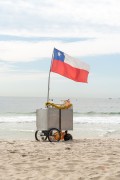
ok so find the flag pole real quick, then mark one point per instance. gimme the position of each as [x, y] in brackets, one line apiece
[48, 87]
[49, 80]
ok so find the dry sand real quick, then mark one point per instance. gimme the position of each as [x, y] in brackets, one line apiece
[79, 159]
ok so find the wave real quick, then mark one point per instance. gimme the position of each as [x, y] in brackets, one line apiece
[17, 119]
[75, 113]
[96, 120]
[76, 119]
[96, 113]
[17, 113]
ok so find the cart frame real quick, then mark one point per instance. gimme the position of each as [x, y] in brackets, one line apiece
[51, 122]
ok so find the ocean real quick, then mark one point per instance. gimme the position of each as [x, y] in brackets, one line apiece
[92, 117]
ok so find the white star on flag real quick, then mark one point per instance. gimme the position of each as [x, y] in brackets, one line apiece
[59, 54]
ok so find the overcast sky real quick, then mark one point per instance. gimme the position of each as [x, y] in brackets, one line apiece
[85, 29]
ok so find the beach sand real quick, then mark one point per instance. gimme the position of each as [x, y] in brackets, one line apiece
[72, 160]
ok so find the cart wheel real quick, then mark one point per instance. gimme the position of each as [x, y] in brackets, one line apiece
[54, 135]
[68, 137]
[38, 136]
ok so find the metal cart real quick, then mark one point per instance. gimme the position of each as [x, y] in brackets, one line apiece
[53, 124]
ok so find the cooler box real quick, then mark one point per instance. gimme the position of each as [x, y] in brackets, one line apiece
[54, 118]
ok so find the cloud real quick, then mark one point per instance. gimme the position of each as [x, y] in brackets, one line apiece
[59, 18]
[6, 67]
[29, 30]
[24, 51]
[18, 51]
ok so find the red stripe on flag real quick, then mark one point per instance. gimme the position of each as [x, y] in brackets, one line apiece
[79, 75]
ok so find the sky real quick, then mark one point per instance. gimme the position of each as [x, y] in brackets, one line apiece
[88, 30]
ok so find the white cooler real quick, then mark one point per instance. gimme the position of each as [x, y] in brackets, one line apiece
[54, 118]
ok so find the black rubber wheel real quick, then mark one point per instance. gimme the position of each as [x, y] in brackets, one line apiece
[54, 135]
[68, 137]
[38, 136]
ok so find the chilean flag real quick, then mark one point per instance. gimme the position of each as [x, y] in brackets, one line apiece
[69, 67]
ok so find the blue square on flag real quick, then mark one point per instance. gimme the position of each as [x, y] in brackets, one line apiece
[59, 55]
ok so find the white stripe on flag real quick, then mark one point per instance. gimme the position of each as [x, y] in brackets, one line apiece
[76, 63]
